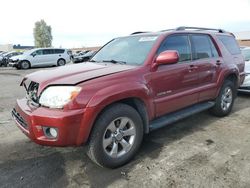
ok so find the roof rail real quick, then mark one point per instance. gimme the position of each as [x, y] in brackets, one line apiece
[199, 28]
[167, 30]
[138, 32]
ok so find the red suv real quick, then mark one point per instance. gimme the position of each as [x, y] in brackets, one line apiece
[131, 86]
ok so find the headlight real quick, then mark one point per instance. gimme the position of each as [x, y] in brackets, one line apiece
[58, 96]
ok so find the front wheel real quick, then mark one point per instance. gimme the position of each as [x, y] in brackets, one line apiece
[224, 101]
[24, 65]
[116, 136]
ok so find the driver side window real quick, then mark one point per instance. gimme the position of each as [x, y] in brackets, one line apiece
[38, 52]
[180, 43]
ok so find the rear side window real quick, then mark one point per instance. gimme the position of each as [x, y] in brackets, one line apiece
[203, 47]
[48, 51]
[230, 44]
[59, 51]
[180, 43]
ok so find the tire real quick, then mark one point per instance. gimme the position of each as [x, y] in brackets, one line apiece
[225, 100]
[24, 65]
[108, 147]
[61, 62]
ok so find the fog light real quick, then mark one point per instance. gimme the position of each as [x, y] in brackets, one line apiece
[50, 132]
[53, 132]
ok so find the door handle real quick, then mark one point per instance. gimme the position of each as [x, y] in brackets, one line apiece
[218, 62]
[192, 67]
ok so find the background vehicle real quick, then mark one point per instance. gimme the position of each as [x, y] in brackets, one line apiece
[4, 61]
[245, 87]
[133, 85]
[41, 57]
[83, 57]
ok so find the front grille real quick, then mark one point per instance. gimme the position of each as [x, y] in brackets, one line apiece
[32, 92]
[19, 119]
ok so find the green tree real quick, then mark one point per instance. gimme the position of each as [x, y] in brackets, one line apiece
[42, 34]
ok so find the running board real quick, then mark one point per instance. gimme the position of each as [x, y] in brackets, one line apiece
[178, 115]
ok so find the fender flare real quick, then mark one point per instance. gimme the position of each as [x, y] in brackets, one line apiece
[108, 96]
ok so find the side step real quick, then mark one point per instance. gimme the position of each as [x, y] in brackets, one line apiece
[178, 115]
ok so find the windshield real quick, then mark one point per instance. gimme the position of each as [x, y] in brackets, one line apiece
[246, 54]
[131, 50]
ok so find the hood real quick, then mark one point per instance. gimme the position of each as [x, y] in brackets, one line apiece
[16, 57]
[74, 74]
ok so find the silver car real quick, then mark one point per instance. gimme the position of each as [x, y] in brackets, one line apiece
[245, 87]
[41, 57]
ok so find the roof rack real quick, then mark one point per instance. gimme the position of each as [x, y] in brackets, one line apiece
[138, 32]
[167, 30]
[182, 28]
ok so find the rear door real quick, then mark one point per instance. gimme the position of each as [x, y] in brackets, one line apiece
[206, 58]
[174, 85]
[60, 53]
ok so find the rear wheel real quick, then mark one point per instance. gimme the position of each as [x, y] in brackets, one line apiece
[61, 62]
[224, 101]
[116, 136]
[25, 65]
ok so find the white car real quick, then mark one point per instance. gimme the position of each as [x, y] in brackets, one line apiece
[245, 87]
[41, 57]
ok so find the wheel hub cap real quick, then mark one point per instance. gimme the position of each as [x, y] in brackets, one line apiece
[227, 98]
[119, 137]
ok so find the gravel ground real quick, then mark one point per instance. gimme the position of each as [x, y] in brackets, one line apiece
[200, 151]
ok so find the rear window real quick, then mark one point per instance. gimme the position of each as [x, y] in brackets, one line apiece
[230, 44]
[59, 51]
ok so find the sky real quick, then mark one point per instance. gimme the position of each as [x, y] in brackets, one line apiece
[81, 23]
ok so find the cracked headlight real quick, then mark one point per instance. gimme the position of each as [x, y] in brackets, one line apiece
[58, 96]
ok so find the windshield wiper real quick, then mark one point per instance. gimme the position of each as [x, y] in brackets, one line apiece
[114, 61]
[92, 60]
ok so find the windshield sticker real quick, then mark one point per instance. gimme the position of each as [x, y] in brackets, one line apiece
[145, 39]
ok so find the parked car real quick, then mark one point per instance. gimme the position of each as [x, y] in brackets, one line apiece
[245, 87]
[4, 61]
[2, 53]
[41, 57]
[82, 52]
[132, 85]
[83, 58]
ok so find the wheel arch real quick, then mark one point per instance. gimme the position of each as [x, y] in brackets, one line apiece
[135, 103]
[232, 76]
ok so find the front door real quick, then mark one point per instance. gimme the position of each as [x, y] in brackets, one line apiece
[174, 86]
[36, 58]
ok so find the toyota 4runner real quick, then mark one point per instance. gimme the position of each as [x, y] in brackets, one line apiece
[132, 85]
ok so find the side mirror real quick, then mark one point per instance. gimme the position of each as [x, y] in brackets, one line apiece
[167, 57]
[33, 55]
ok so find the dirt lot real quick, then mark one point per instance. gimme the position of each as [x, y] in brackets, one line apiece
[200, 151]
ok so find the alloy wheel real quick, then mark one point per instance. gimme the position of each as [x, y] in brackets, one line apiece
[119, 137]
